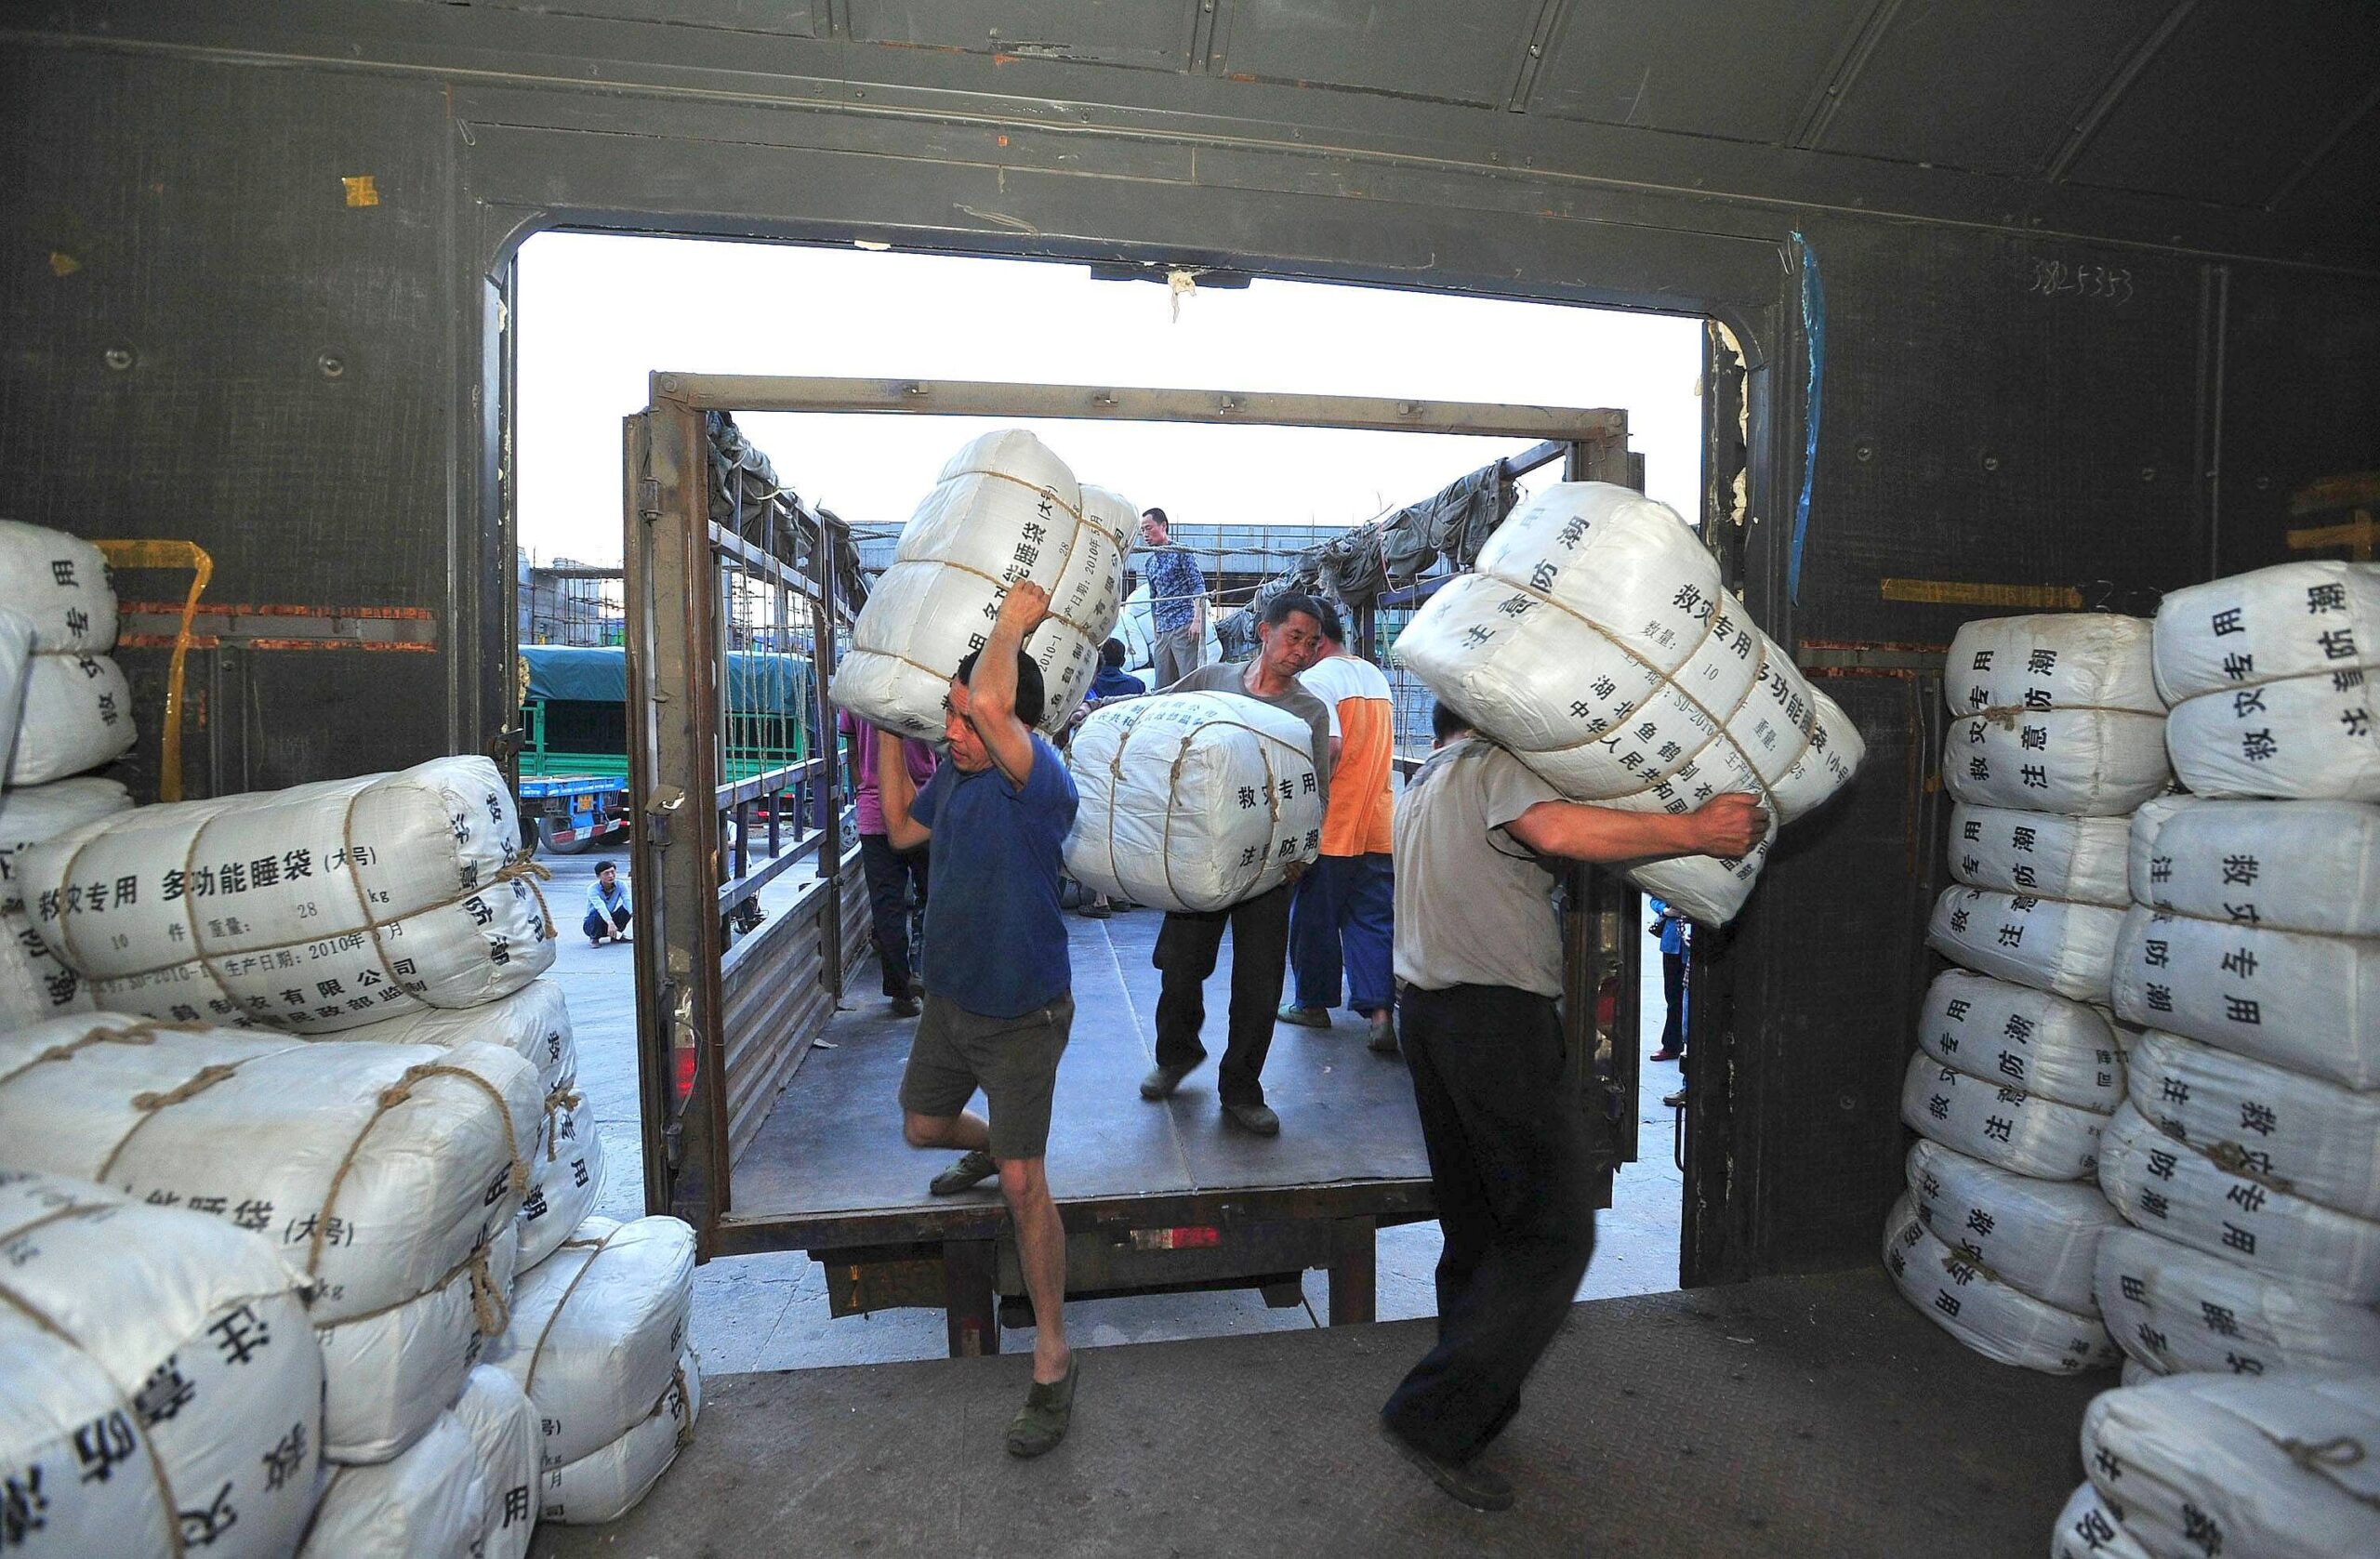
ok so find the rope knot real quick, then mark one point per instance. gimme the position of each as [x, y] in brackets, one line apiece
[199, 1082]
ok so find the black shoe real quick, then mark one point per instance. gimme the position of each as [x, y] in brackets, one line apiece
[969, 1172]
[1163, 1079]
[905, 1007]
[1383, 1039]
[1258, 1118]
[1480, 1488]
[1048, 1410]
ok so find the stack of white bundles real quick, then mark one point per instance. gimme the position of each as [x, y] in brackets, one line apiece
[2258, 930]
[2266, 674]
[2176, 1310]
[1998, 1235]
[2056, 738]
[1192, 801]
[598, 1341]
[390, 1175]
[2057, 712]
[1004, 509]
[77, 708]
[2225, 1466]
[2212, 1202]
[33, 984]
[1083, 605]
[317, 908]
[1996, 1319]
[2013, 1076]
[504, 1429]
[2089, 1528]
[160, 1390]
[1594, 641]
[566, 1162]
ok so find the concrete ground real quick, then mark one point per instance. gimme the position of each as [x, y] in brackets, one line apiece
[769, 1313]
[1788, 1417]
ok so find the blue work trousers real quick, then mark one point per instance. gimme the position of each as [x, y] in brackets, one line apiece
[1341, 921]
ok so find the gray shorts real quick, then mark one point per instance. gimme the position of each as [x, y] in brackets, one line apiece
[1014, 1061]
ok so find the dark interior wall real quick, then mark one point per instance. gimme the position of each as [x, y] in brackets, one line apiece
[172, 187]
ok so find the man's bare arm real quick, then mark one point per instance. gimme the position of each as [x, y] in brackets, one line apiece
[1727, 827]
[991, 692]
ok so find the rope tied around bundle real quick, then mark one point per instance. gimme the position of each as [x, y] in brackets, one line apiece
[2326, 1459]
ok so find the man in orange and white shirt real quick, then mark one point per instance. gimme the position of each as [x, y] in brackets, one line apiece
[1342, 918]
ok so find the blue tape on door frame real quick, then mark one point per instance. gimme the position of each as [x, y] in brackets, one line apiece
[1814, 336]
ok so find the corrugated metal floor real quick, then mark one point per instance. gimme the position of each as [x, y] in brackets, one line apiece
[1793, 1416]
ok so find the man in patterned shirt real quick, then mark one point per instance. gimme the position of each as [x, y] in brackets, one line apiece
[1177, 601]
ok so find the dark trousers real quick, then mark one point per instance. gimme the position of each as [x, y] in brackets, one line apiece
[1674, 993]
[1340, 919]
[1260, 951]
[1506, 1132]
[595, 925]
[891, 875]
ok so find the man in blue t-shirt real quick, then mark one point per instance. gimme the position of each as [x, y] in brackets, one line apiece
[998, 812]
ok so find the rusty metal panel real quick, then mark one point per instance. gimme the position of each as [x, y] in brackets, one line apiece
[1696, 67]
[2236, 101]
[1360, 44]
[1995, 88]
[795, 19]
[1152, 35]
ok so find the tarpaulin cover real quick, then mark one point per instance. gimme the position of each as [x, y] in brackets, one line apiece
[757, 683]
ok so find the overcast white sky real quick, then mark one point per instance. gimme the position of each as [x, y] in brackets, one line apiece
[598, 313]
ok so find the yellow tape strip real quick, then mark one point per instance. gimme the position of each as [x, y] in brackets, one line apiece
[2358, 535]
[1963, 592]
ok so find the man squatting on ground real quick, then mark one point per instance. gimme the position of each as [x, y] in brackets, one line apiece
[1187, 943]
[999, 811]
[608, 909]
[1479, 958]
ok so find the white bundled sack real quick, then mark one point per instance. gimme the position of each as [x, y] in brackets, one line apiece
[1083, 605]
[1595, 642]
[533, 1020]
[35, 986]
[77, 716]
[2051, 945]
[41, 812]
[2132, 1372]
[2081, 858]
[2285, 865]
[503, 1426]
[429, 1503]
[2270, 1466]
[2028, 1038]
[597, 1329]
[2176, 1310]
[2029, 1133]
[2039, 1236]
[2177, 1192]
[2089, 1528]
[1004, 508]
[2310, 1003]
[2321, 1141]
[607, 1483]
[566, 1177]
[160, 1389]
[76, 709]
[2000, 1322]
[64, 586]
[2057, 712]
[1192, 800]
[388, 1173]
[317, 908]
[2267, 673]
[392, 1371]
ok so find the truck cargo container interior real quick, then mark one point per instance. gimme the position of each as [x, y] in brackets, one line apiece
[2076, 304]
